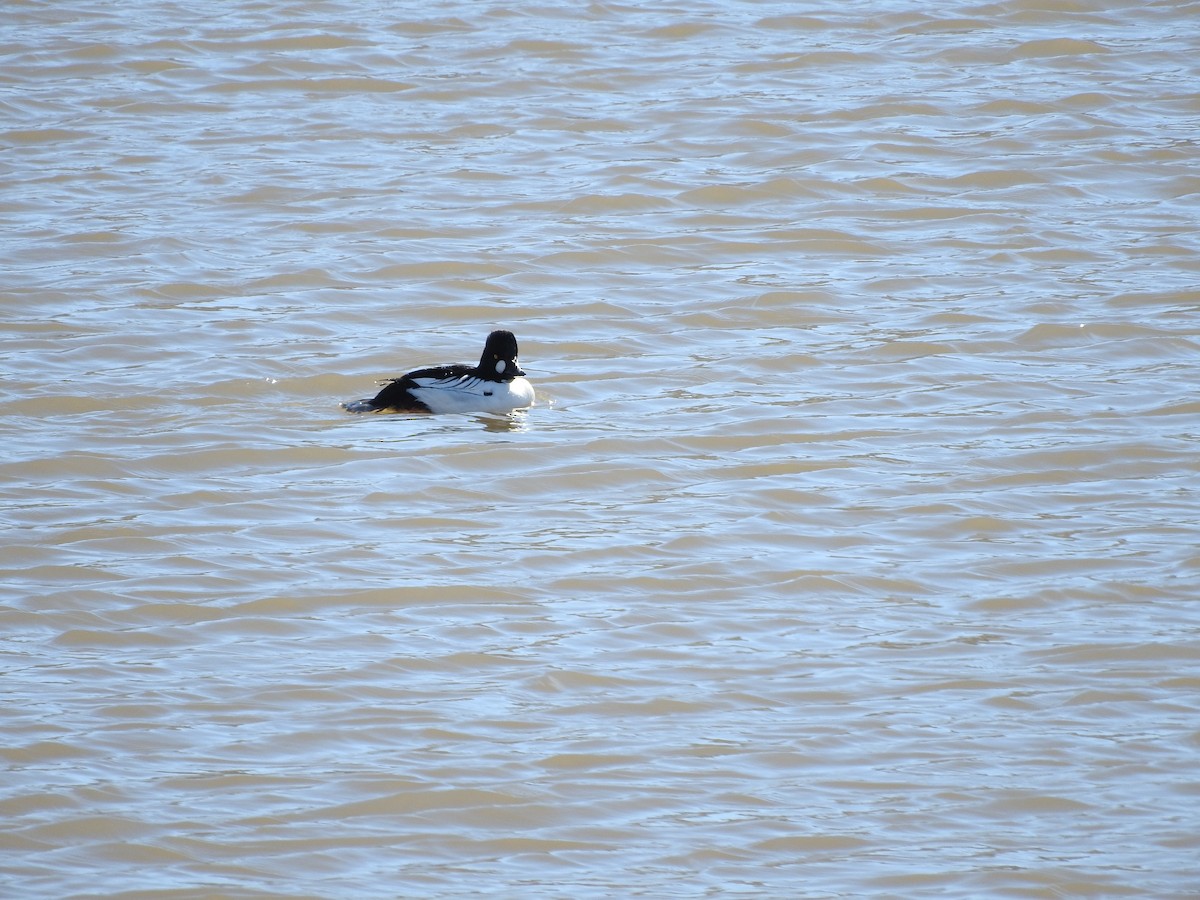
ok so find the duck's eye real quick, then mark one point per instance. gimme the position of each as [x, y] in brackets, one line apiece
[501, 365]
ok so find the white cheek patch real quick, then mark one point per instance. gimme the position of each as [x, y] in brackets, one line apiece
[501, 365]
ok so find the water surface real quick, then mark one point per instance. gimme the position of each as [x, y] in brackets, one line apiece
[851, 549]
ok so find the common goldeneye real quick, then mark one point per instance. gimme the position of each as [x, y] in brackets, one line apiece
[496, 385]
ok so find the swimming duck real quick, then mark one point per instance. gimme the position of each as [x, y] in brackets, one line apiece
[496, 385]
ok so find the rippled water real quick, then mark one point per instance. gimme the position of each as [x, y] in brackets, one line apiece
[850, 550]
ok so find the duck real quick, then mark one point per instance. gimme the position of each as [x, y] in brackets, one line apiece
[496, 385]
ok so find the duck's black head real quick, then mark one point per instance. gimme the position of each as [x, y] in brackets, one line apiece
[499, 360]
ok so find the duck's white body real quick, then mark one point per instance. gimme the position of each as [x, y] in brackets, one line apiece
[467, 393]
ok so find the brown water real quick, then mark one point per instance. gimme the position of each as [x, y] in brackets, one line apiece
[851, 550]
